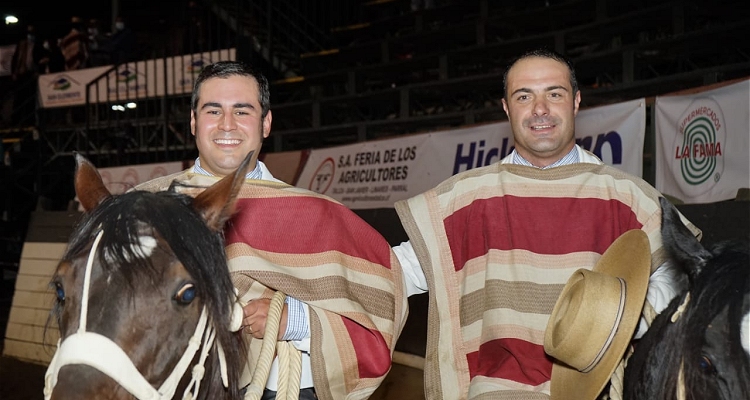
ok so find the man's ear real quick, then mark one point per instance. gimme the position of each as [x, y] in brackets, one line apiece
[576, 103]
[505, 107]
[192, 122]
[267, 124]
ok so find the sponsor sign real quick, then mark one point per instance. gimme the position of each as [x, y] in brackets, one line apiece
[131, 81]
[702, 144]
[121, 179]
[377, 174]
[64, 89]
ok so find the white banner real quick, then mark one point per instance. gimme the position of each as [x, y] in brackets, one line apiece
[68, 88]
[370, 174]
[131, 81]
[377, 174]
[702, 150]
[121, 179]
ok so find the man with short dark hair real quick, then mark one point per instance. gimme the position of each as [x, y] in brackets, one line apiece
[356, 325]
[494, 246]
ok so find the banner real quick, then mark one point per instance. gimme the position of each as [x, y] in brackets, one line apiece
[377, 174]
[702, 150]
[67, 88]
[121, 179]
[130, 81]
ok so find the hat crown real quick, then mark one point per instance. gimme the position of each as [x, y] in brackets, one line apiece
[585, 320]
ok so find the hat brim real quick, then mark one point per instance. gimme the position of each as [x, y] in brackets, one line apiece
[629, 258]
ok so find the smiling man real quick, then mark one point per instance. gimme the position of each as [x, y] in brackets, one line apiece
[494, 246]
[230, 117]
[541, 100]
[297, 242]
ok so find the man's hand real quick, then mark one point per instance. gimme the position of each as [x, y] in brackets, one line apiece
[256, 315]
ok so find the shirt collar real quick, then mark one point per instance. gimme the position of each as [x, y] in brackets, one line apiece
[570, 158]
[256, 173]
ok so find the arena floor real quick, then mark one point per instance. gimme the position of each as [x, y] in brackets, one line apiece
[25, 381]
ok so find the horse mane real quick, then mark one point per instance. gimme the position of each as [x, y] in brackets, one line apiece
[125, 217]
[722, 282]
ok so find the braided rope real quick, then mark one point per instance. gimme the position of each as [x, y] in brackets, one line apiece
[288, 360]
[290, 371]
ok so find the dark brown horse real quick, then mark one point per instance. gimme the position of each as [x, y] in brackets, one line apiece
[145, 304]
[699, 346]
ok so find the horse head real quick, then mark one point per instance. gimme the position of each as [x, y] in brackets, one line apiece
[699, 346]
[144, 299]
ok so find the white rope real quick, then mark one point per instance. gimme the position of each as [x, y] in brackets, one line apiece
[681, 395]
[86, 283]
[199, 369]
[290, 359]
[290, 371]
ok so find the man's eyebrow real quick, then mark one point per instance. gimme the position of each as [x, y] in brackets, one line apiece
[521, 90]
[547, 89]
[235, 105]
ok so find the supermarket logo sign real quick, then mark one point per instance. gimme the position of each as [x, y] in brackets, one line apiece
[699, 146]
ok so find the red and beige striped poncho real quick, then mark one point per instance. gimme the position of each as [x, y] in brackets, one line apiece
[318, 251]
[497, 245]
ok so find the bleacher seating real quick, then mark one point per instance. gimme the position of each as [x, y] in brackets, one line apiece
[370, 69]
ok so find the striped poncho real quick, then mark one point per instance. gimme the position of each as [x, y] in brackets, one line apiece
[318, 251]
[497, 245]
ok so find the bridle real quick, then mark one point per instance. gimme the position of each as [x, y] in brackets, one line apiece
[100, 352]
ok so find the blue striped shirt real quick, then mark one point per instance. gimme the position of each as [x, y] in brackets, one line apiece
[570, 158]
[256, 173]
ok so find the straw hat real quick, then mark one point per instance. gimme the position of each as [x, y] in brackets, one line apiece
[595, 317]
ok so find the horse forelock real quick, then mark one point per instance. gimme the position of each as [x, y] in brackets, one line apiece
[127, 218]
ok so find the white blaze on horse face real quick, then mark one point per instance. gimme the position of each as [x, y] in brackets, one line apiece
[745, 333]
[143, 248]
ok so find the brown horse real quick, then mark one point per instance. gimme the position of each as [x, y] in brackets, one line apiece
[145, 304]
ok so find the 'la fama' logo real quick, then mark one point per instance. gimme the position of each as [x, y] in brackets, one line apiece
[323, 176]
[699, 145]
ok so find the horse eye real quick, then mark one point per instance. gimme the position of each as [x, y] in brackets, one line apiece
[186, 294]
[706, 365]
[60, 292]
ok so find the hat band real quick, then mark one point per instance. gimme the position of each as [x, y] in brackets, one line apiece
[613, 331]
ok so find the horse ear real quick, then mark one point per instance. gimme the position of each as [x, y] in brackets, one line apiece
[682, 246]
[216, 203]
[89, 186]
